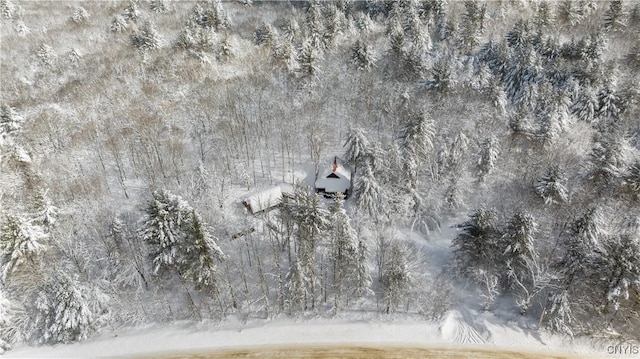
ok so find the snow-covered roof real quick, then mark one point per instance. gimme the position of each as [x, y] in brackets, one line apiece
[263, 199]
[335, 178]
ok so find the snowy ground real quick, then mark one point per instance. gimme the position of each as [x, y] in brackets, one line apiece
[454, 331]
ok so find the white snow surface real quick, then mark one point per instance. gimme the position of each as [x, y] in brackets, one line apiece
[453, 331]
[333, 185]
[264, 199]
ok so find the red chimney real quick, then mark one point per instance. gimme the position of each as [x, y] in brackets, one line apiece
[335, 163]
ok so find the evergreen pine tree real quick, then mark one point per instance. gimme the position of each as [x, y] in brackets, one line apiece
[285, 55]
[416, 140]
[590, 228]
[161, 229]
[362, 56]
[118, 24]
[519, 250]
[8, 332]
[442, 74]
[265, 34]
[362, 278]
[551, 50]
[593, 49]
[456, 155]
[614, 17]
[363, 22]
[489, 151]
[10, 122]
[420, 37]
[559, 314]
[552, 186]
[519, 123]
[7, 9]
[396, 40]
[308, 60]
[472, 24]
[453, 195]
[146, 37]
[585, 105]
[368, 194]
[289, 29]
[296, 285]
[397, 280]
[343, 253]
[581, 248]
[623, 267]
[575, 12]
[549, 113]
[496, 55]
[377, 8]
[200, 254]
[544, 15]
[520, 35]
[634, 16]
[68, 311]
[315, 26]
[159, 6]
[179, 241]
[334, 22]
[566, 11]
[608, 159]
[608, 103]
[476, 245]
[358, 148]
[45, 212]
[209, 14]
[632, 180]
[633, 57]
[523, 72]
[131, 11]
[312, 222]
[22, 242]
[498, 97]
[186, 39]
[413, 63]
[480, 77]
[46, 55]
[80, 15]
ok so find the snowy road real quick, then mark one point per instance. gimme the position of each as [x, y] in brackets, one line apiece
[364, 352]
[456, 336]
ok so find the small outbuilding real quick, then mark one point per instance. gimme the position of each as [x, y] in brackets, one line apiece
[335, 179]
[263, 200]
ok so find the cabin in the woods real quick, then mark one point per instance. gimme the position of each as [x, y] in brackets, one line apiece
[263, 200]
[334, 179]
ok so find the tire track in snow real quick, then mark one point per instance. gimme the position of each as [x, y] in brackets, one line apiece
[459, 327]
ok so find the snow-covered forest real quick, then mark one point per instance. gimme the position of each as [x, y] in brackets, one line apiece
[130, 130]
